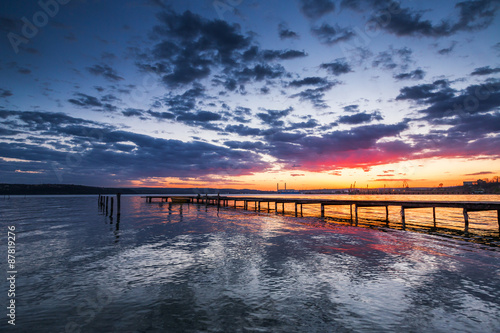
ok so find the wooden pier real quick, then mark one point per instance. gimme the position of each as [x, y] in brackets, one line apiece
[224, 201]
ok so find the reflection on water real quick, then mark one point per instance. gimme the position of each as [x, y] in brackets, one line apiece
[159, 269]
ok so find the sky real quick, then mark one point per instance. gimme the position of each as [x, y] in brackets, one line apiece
[247, 94]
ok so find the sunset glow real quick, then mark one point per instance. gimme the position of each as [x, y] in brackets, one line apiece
[247, 94]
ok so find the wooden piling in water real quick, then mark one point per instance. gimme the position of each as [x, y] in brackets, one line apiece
[387, 213]
[107, 201]
[111, 209]
[466, 220]
[356, 213]
[322, 210]
[434, 216]
[296, 209]
[403, 221]
[118, 203]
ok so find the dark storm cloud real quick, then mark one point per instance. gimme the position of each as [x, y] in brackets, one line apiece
[131, 112]
[309, 81]
[102, 150]
[186, 101]
[437, 91]
[315, 9]
[247, 145]
[393, 58]
[448, 50]
[91, 102]
[356, 147]
[5, 93]
[311, 123]
[285, 33]
[472, 16]
[351, 108]
[331, 35]
[199, 116]
[360, 118]
[106, 71]
[243, 130]
[337, 67]
[446, 102]
[85, 101]
[316, 95]
[417, 74]
[190, 48]
[273, 117]
[161, 115]
[486, 70]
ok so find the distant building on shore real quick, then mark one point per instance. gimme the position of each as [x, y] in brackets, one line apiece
[285, 191]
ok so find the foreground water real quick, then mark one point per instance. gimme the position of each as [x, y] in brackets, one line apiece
[203, 270]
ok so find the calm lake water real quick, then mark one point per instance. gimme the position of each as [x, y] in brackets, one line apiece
[204, 270]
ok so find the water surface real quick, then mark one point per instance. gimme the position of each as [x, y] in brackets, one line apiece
[203, 270]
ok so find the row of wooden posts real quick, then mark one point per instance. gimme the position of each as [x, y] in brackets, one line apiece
[104, 203]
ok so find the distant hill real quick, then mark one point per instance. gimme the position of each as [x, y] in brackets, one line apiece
[31, 189]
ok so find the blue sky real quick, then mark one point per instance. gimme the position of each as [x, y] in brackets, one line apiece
[238, 93]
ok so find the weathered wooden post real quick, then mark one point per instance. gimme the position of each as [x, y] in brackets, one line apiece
[118, 203]
[268, 207]
[283, 208]
[107, 200]
[111, 209]
[356, 214]
[255, 205]
[276, 207]
[403, 219]
[259, 206]
[322, 210]
[466, 220]
[434, 215]
[295, 209]
[498, 218]
[301, 209]
[351, 211]
[387, 213]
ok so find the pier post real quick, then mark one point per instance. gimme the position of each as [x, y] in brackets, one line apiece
[387, 213]
[301, 210]
[118, 203]
[259, 206]
[107, 200]
[351, 211]
[434, 216]
[466, 220]
[255, 205]
[275, 207]
[99, 200]
[498, 218]
[268, 206]
[295, 209]
[356, 214]
[111, 209]
[322, 210]
[235, 203]
[403, 221]
[170, 206]
[283, 208]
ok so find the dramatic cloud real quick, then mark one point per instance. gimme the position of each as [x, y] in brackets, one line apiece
[91, 102]
[417, 74]
[309, 81]
[331, 35]
[487, 70]
[360, 118]
[106, 71]
[285, 33]
[315, 9]
[316, 95]
[273, 117]
[5, 93]
[337, 67]
[472, 16]
[393, 58]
